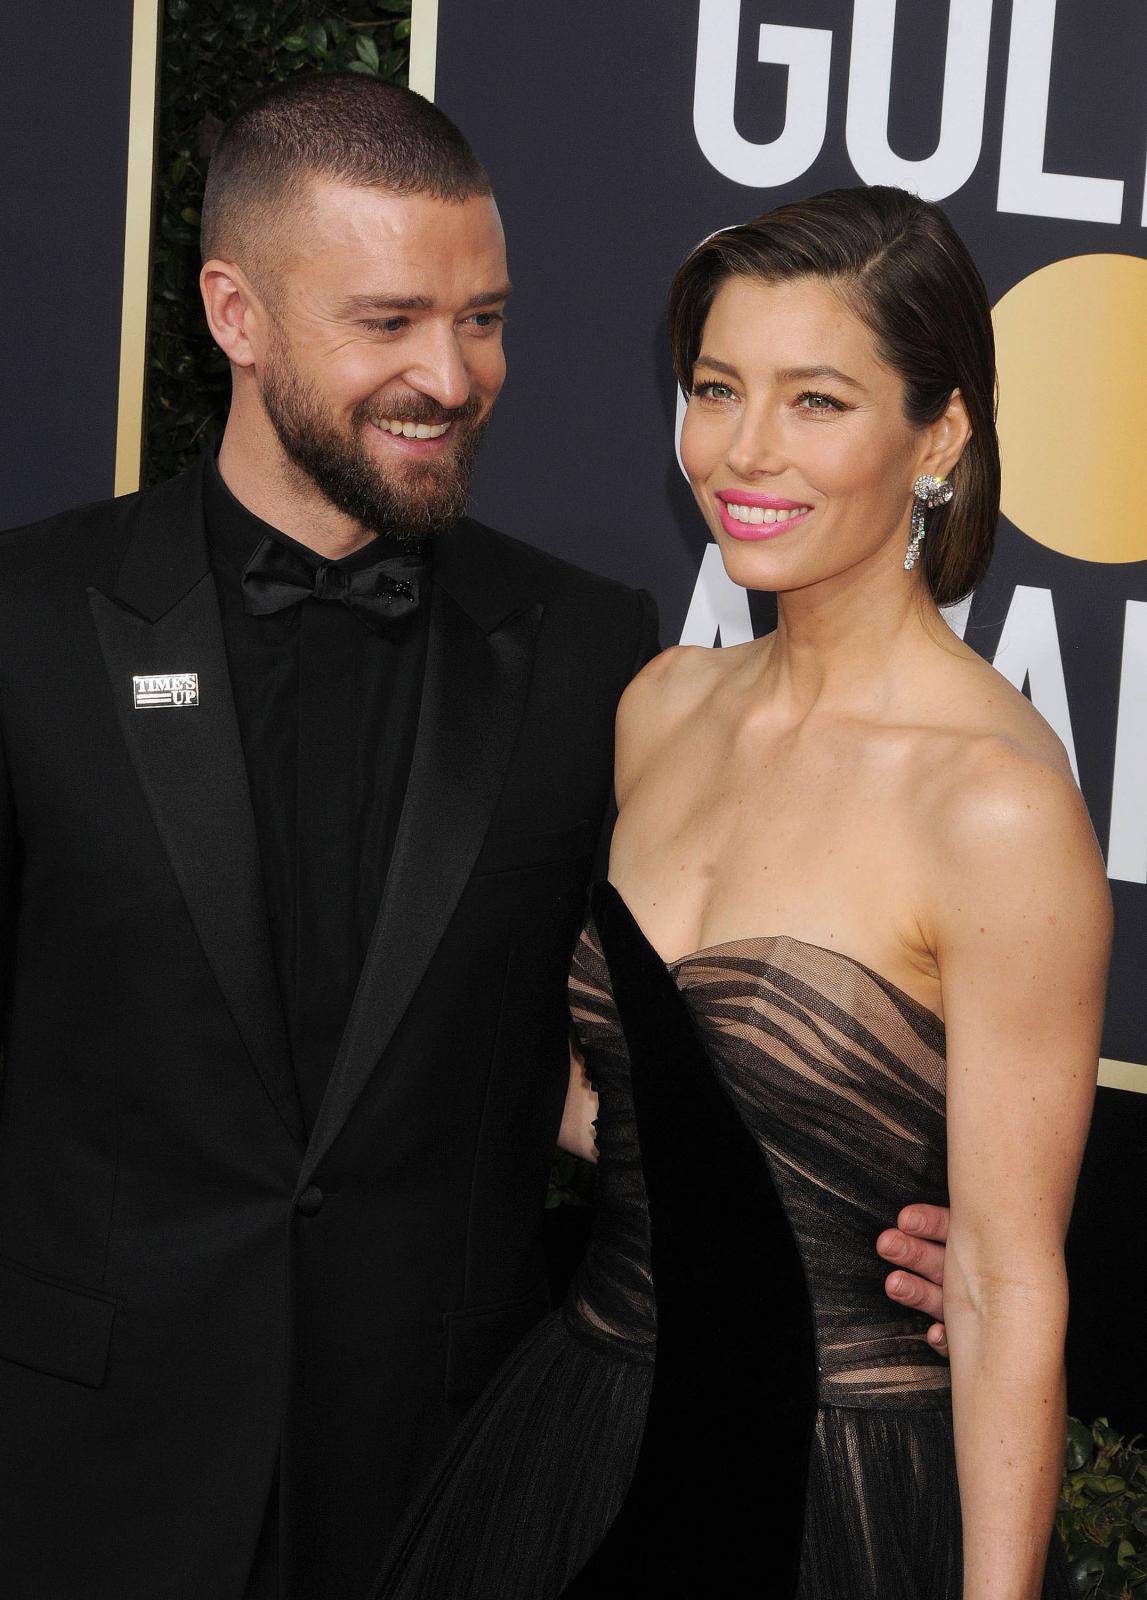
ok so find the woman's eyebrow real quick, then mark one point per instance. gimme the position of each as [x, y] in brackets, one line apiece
[802, 374]
[784, 374]
[717, 366]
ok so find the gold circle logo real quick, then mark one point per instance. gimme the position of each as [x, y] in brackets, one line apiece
[1071, 347]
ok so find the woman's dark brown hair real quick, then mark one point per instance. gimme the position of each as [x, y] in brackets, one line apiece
[901, 266]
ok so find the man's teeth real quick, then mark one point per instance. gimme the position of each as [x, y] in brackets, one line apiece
[413, 430]
[758, 514]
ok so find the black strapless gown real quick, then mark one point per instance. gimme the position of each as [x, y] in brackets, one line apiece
[766, 1107]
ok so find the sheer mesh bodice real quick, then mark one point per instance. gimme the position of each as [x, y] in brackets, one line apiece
[839, 1076]
[611, 1298]
[727, 1402]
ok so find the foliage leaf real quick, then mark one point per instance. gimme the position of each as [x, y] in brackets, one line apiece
[367, 51]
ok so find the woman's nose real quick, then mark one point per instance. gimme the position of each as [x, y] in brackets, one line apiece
[753, 451]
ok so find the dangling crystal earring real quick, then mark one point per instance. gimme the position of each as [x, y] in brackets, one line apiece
[930, 492]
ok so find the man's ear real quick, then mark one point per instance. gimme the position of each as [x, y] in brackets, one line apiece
[947, 437]
[234, 310]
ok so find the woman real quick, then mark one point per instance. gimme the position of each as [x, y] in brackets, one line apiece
[852, 950]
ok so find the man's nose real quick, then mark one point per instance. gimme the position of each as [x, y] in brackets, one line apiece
[440, 372]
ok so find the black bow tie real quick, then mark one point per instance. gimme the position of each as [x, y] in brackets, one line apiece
[277, 577]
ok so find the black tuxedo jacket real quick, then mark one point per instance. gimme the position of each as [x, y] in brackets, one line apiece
[196, 1301]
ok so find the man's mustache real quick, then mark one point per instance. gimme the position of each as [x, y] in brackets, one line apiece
[418, 408]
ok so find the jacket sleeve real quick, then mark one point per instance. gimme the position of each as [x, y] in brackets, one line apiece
[648, 632]
[647, 644]
[9, 888]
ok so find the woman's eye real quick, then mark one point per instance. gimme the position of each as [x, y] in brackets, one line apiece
[711, 390]
[813, 400]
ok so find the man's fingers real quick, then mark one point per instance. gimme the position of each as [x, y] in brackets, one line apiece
[916, 1245]
[916, 1255]
[907, 1290]
[924, 1222]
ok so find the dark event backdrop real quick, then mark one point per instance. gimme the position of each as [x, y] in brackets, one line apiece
[68, 95]
[614, 148]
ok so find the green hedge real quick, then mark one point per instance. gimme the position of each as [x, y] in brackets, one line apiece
[1103, 1512]
[215, 55]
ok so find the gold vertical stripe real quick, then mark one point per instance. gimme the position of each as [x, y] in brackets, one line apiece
[1123, 1075]
[423, 46]
[137, 244]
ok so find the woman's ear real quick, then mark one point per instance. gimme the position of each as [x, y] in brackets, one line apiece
[947, 437]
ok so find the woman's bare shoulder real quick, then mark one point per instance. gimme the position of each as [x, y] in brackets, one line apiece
[998, 786]
[660, 701]
[669, 687]
[677, 668]
[995, 737]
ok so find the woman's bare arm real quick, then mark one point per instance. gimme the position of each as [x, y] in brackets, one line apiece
[576, 1135]
[1022, 937]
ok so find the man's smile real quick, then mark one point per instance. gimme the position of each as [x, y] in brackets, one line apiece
[419, 439]
[412, 430]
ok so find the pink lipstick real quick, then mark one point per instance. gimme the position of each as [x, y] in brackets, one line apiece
[761, 525]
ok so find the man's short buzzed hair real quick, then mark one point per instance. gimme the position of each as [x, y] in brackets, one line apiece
[344, 127]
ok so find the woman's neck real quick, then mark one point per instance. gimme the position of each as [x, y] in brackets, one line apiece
[851, 645]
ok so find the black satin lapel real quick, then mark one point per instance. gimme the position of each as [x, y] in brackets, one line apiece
[190, 765]
[473, 697]
[716, 1505]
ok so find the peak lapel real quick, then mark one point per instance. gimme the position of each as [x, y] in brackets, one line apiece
[474, 693]
[162, 617]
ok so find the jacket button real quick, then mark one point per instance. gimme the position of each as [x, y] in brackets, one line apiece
[310, 1202]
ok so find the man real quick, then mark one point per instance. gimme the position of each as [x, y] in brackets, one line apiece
[303, 775]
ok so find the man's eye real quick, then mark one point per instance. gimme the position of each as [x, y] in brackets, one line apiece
[387, 324]
[487, 319]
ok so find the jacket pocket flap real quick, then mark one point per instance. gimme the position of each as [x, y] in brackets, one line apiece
[477, 1342]
[53, 1327]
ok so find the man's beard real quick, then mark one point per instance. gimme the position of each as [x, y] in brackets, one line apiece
[418, 503]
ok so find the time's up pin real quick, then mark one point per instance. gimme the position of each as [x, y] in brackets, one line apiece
[165, 689]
